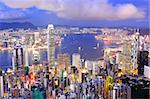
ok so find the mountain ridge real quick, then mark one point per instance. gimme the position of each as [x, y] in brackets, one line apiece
[17, 25]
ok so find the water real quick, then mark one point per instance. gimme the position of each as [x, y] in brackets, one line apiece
[5, 59]
[70, 45]
[87, 42]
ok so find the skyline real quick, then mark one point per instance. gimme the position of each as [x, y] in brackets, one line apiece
[77, 12]
[74, 49]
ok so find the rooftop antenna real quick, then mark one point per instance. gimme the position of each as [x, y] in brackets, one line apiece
[138, 30]
[79, 49]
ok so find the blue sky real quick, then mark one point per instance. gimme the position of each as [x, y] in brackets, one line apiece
[76, 12]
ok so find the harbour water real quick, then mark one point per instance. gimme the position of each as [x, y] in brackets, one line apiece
[91, 49]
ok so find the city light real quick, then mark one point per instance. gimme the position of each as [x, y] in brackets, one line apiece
[74, 49]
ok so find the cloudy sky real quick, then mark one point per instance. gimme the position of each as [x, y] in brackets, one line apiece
[76, 12]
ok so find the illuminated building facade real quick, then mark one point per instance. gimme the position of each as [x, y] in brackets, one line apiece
[5, 40]
[18, 57]
[36, 37]
[121, 91]
[92, 66]
[135, 50]
[147, 71]
[126, 55]
[64, 62]
[51, 45]
[130, 52]
[142, 61]
[26, 56]
[76, 60]
[1, 84]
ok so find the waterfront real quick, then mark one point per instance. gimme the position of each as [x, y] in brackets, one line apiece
[81, 49]
[70, 45]
[83, 67]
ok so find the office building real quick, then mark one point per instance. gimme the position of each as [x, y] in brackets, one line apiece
[1, 85]
[118, 57]
[18, 57]
[135, 50]
[147, 71]
[36, 37]
[76, 60]
[121, 91]
[51, 45]
[26, 56]
[142, 61]
[129, 54]
[92, 66]
[64, 62]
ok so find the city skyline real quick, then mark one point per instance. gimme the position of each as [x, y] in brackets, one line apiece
[77, 12]
[74, 49]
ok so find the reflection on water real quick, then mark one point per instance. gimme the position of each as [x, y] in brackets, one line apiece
[87, 42]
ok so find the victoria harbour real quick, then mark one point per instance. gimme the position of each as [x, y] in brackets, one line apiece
[74, 49]
[70, 45]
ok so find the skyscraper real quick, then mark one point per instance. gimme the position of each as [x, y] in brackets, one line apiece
[130, 52]
[135, 49]
[76, 60]
[26, 56]
[1, 84]
[51, 45]
[142, 61]
[63, 61]
[18, 57]
[36, 37]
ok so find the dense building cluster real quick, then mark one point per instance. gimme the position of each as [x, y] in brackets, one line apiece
[122, 72]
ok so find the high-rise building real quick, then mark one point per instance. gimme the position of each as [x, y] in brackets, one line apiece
[121, 91]
[36, 37]
[18, 57]
[31, 39]
[76, 60]
[147, 71]
[51, 45]
[142, 61]
[130, 52]
[118, 57]
[92, 66]
[135, 49]
[26, 57]
[5, 40]
[126, 55]
[1, 85]
[63, 61]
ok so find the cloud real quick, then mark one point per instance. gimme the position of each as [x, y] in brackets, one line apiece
[7, 13]
[12, 15]
[82, 9]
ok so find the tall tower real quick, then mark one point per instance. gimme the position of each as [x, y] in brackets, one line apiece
[126, 61]
[36, 37]
[135, 49]
[76, 60]
[51, 45]
[26, 56]
[18, 57]
[63, 61]
[1, 85]
[130, 51]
